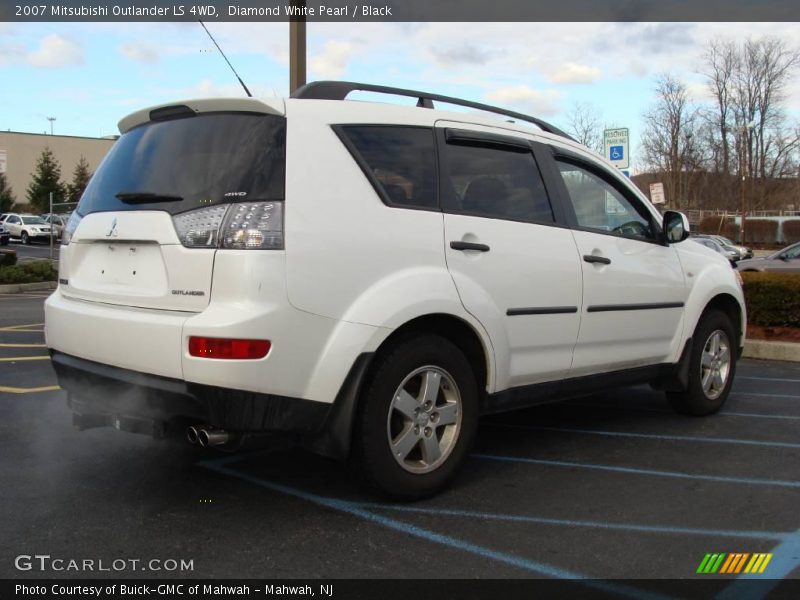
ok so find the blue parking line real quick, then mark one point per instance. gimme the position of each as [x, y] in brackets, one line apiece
[488, 516]
[664, 411]
[637, 471]
[650, 436]
[354, 509]
[768, 379]
[759, 395]
[785, 559]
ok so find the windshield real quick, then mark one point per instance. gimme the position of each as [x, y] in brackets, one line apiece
[33, 221]
[197, 161]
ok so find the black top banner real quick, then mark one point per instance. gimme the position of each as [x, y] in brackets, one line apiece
[402, 10]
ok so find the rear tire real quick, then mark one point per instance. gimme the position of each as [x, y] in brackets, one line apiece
[712, 367]
[417, 418]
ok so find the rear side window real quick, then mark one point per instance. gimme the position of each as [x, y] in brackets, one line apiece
[206, 159]
[495, 182]
[399, 161]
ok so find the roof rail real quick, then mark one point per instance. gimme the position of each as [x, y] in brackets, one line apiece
[339, 90]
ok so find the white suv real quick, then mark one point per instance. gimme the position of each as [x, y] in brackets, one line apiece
[371, 279]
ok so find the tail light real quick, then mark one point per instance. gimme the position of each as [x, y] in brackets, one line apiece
[231, 349]
[200, 228]
[241, 226]
[70, 227]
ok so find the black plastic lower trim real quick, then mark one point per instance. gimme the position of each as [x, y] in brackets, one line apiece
[543, 310]
[619, 307]
[550, 391]
[98, 390]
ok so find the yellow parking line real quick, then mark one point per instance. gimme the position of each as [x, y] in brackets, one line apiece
[23, 345]
[16, 390]
[21, 358]
[16, 327]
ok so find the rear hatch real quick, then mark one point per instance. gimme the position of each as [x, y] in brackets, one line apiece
[147, 229]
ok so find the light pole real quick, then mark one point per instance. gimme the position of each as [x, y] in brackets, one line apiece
[743, 129]
[51, 119]
[297, 47]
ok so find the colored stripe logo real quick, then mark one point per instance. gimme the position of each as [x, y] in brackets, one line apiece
[733, 563]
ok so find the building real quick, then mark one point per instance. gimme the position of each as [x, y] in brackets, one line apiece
[19, 153]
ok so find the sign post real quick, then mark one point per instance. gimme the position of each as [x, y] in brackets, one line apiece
[617, 147]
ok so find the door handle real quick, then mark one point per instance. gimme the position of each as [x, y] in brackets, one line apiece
[592, 258]
[469, 246]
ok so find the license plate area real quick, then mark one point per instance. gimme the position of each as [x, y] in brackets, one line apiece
[132, 268]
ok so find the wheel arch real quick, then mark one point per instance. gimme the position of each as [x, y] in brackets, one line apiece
[337, 436]
[728, 305]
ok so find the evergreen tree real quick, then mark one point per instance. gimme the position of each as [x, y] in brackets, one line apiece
[80, 179]
[46, 178]
[6, 197]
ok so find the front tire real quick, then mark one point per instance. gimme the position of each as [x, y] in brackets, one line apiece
[417, 419]
[24, 238]
[712, 367]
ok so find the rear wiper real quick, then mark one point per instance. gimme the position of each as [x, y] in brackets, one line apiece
[147, 197]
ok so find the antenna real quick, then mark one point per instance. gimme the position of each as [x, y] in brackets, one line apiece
[246, 91]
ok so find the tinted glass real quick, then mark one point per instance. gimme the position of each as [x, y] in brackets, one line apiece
[206, 159]
[33, 221]
[494, 182]
[599, 205]
[400, 160]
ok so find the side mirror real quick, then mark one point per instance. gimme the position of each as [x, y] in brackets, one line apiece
[676, 226]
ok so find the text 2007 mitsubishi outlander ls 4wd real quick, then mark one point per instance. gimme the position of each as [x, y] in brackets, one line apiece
[371, 278]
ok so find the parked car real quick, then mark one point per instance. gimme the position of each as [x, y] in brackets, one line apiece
[784, 261]
[371, 278]
[27, 228]
[4, 235]
[729, 253]
[742, 252]
[57, 222]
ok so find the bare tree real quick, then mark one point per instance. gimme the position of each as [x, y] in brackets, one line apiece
[721, 63]
[670, 143]
[584, 123]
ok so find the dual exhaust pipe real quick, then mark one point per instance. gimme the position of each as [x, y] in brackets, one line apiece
[207, 437]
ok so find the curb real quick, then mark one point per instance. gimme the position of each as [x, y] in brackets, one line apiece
[787, 351]
[16, 288]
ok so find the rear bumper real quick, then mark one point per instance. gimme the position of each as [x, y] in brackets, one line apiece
[104, 395]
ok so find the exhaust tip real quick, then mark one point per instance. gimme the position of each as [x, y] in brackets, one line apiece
[192, 434]
[212, 437]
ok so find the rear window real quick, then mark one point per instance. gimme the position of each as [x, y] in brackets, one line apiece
[206, 159]
[399, 161]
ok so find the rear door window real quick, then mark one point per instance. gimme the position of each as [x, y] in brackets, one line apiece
[201, 160]
[501, 182]
[400, 162]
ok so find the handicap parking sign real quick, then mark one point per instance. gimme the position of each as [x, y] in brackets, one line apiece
[616, 152]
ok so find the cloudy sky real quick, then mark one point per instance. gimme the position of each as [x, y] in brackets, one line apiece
[90, 75]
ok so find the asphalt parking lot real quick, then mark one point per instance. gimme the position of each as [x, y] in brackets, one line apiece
[608, 486]
[33, 251]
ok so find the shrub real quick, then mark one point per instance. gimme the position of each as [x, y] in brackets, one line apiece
[791, 231]
[761, 231]
[14, 274]
[8, 258]
[31, 272]
[41, 270]
[772, 299]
